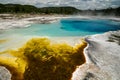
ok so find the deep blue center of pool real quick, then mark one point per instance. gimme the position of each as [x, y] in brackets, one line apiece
[69, 27]
[98, 26]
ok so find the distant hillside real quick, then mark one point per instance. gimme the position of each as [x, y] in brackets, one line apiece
[59, 10]
[17, 8]
[110, 11]
[105, 12]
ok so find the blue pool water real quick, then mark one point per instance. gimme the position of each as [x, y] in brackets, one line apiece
[68, 27]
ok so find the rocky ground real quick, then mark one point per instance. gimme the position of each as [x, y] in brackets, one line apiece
[102, 58]
[8, 21]
[102, 53]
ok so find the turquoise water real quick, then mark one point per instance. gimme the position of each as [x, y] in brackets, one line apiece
[67, 27]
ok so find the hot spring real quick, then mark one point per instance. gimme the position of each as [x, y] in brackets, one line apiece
[38, 52]
[66, 27]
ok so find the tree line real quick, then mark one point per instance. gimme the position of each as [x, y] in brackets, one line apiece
[108, 11]
[17, 8]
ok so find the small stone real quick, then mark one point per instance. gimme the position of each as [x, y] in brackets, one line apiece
[4, 73]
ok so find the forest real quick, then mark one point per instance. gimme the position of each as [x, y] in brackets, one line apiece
[18, 8]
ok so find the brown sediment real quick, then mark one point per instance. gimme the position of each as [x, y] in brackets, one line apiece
[3, 41]
[14, 62]
[46, 61]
